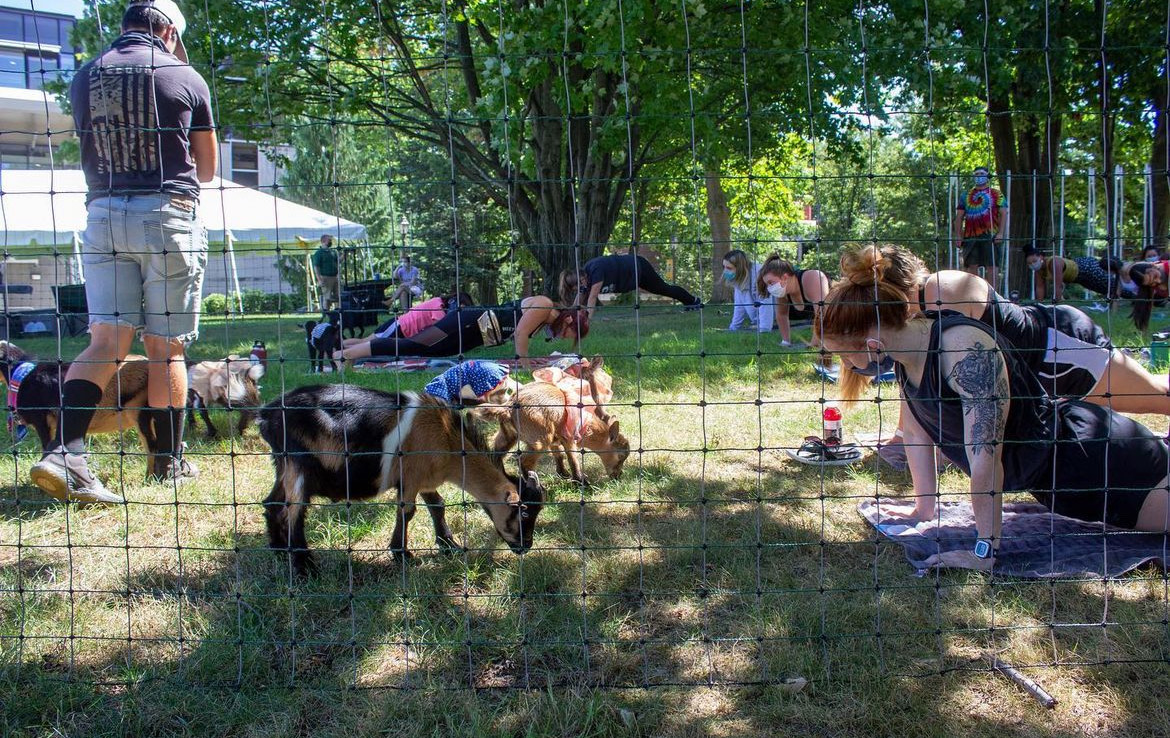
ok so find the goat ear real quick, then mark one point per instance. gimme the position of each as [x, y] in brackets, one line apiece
[597, 362]
[615, 429]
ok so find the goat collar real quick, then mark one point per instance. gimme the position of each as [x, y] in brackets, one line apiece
[17, 429]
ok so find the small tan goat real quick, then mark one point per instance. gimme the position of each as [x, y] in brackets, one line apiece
[547, 420]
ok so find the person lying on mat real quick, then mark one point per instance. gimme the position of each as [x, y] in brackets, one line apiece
[616, 275]
[413, 321]
[466, 329]
[1063, 346]
[971, 394]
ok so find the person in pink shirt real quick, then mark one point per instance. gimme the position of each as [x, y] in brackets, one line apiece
[413, 321]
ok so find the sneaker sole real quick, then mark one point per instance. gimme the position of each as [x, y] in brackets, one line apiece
[58, 488]
[49, 483]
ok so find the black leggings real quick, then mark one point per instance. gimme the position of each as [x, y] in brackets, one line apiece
[652, 282]
[456, 332]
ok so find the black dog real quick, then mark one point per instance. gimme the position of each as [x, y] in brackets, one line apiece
[323, 338]
[358, 311]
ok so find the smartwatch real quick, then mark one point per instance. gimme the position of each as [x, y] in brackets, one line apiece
[983, 549]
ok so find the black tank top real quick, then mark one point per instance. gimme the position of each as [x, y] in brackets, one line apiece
[1025, 328]
[937, 407]
[800, 283]
[508, 315]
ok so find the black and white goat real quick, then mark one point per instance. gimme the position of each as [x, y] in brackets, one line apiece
[352, 443]
[322, 338]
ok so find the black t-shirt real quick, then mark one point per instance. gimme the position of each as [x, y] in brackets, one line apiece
[616, 274]
[133, 107]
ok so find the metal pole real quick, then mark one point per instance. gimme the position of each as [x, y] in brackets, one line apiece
[1060, 238]
[951, 204]
[1118, 186]
[1007, 237]
[1091, 213]
[230, 252]
[1147, 207]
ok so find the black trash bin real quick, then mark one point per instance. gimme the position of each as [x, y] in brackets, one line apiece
[72, 308]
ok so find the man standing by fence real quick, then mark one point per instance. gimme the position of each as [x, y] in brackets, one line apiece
[981, 220]
[325, 269]
[147, 141]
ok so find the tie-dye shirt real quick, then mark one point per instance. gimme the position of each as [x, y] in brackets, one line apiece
[981, 208]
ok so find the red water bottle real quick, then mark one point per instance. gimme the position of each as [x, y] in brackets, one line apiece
[260, 354]
[834, 428]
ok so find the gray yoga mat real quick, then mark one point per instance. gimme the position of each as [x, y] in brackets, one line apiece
[1037, 544]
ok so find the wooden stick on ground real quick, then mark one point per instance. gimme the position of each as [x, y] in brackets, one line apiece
[1025, 683]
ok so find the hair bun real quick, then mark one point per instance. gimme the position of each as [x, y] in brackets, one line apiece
[864, 267]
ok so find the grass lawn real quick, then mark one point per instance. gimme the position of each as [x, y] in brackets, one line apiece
[674, 602]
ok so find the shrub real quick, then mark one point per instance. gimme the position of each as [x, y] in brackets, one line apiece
[214, 304]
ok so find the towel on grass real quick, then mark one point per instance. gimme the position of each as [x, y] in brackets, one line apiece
[1037, 544]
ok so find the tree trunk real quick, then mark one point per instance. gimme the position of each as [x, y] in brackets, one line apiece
[719, 217]
[1160, 168]
[568, 207]
[1007, 160]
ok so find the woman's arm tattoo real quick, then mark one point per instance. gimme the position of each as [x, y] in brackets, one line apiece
[982, 379]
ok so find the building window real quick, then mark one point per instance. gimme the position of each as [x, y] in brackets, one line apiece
[42, 69]
[11, 68]
[34, 49]
[10, 25]
[245, 164]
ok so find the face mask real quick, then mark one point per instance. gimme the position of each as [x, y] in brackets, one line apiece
[728, 275]
[776, 289]
[1153, 259]
[981, 179]
[1036, 265]
[876, 368]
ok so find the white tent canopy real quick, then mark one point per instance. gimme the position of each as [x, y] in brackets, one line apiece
[48, 206]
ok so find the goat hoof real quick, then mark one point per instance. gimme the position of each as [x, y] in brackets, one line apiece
[305, 567]
[402, 556]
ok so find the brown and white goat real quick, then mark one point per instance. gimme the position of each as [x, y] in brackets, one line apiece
[38, 401]
[352, 443]
[233, 383]
[546, 418]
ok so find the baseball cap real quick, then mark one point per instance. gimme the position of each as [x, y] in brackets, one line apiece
[170, 9]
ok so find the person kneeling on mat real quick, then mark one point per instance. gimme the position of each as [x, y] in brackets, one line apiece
[971, 395]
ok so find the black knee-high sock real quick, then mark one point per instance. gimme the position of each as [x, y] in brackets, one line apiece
[79, 401]
[168, 430]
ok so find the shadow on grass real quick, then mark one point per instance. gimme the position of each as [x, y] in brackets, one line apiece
[640, 594]
[699, 583]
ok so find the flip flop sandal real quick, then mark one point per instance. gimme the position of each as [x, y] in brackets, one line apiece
[815, 451]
